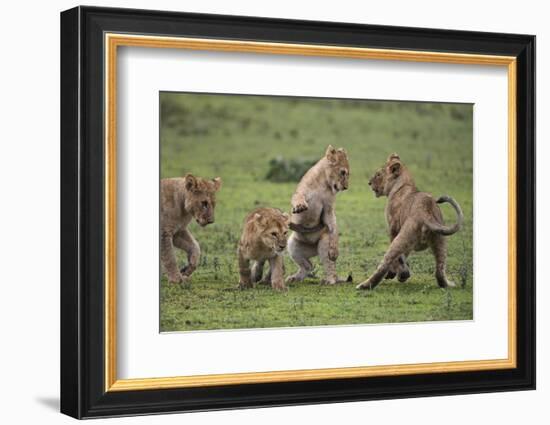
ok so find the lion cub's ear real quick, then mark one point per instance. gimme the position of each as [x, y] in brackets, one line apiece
[330, 154]
[191, 183]
[395, 168]
[217, 183]
[394, 164]
[259, 219]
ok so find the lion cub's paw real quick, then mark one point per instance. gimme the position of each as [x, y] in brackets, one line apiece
[175, 278]
[404, 276]
[300, 207]
[178, 279]
[187, 270]
[364, 285]
[245, 285]
[292, 278]
[390, 275]
[279, 286]
[329, 281]
[337, 280]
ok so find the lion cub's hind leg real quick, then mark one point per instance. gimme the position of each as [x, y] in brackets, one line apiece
[439, 249]
[329, 264]
[300, 252]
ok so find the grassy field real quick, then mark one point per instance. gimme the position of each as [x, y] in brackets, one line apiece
[235, 137]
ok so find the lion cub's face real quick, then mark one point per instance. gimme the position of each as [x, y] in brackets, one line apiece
[377, 182]
[337, 173]
[384, 178]
[200, 199]
[272, 228]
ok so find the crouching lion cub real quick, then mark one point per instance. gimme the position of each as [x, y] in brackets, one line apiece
[314, 220]
[415, 222]
[263, 239]
[181, 200]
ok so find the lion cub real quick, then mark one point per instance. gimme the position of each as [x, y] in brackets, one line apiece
[181, 200]
[415, 223]
[263, 239]
[314, 220]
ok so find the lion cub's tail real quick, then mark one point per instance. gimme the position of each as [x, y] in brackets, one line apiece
[447, 230]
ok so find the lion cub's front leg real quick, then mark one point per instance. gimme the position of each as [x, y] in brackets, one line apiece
[276, 268]
[401, 244]
[299, 203]
[168, 258]
[245, 274]
[185, 241]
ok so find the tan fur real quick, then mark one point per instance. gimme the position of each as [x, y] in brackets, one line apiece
[415, 223]
[263, 239]
[313, 203]
[183, 199]
[398, 267]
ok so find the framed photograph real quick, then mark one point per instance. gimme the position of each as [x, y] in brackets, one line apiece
[261, 212]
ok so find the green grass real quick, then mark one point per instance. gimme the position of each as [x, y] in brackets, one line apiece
[235, 137]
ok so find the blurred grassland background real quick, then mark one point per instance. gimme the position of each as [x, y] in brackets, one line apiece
[259, 145]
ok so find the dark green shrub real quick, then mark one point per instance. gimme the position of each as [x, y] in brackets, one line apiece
[288, 170]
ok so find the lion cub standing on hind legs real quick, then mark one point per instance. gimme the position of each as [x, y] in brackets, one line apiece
[313, 217]
[415, 223]
[181, 200]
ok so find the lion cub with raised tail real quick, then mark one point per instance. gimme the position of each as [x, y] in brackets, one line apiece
[415, 223]
[263, 239]
[313, 218]
[181, 200]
